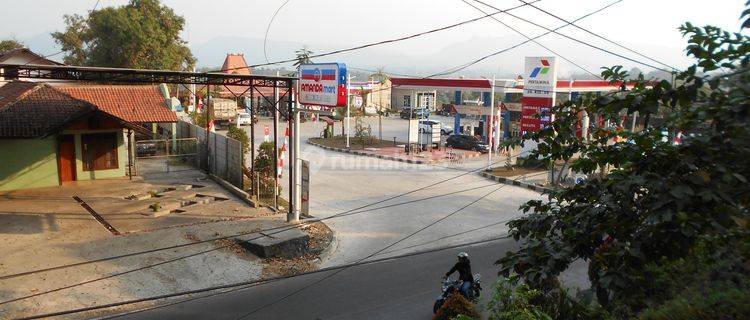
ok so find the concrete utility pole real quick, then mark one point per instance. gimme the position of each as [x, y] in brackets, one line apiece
[491, 123]
[292, 120]
[297, 165]
[348, 102]
[207, 112]
[276, 144]
[252, 143]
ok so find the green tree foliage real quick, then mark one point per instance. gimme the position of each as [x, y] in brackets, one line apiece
[454, 306]
[303, 56]
[240, 135]
[648, 201]
[11, 44]
[362, 132]
[143, 34]
[265, 167]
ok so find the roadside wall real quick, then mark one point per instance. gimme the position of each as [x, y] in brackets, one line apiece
[28, 163]
[217, 154]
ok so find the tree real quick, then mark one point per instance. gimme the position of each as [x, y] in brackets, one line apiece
[266, 169]
[11, 44]
[649, 200]
[142, 34]
[303, 56]
[240, 135]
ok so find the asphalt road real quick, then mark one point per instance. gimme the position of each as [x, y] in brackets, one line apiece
[400, 288]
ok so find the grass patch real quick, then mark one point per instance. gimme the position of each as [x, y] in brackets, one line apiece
[340, 142]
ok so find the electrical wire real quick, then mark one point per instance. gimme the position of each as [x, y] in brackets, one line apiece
[268, 28]
[370, 255]
[411, 36]
[534, 40]
[574, 39]
[471, 63]
[600, 37]
[246, 284]
[283, 228]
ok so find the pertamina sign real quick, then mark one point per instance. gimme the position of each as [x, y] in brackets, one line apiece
[323, 84]
[538, 92]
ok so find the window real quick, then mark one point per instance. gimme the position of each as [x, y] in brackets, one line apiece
[99, 151]
[407, 101]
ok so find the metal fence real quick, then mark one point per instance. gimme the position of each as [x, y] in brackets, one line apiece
[217, 154]
[165, 155]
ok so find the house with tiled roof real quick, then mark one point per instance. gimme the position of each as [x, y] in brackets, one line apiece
[24, 56]
[234, 63]
[49, 137]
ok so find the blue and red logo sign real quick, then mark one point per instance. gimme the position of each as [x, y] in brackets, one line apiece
[317, 74]
[540, 70]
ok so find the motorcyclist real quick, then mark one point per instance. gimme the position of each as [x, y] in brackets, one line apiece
[463, 266]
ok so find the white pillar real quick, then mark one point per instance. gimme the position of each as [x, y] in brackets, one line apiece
[297, 160]
[491, 124]
[348, 102]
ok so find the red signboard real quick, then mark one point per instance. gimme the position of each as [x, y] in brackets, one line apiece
[531, 107]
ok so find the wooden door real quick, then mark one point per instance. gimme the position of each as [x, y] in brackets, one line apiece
[67, 158]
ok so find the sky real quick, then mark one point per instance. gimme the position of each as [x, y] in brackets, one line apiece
[220, 26]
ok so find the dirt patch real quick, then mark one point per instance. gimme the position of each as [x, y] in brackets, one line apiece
[320, 239]
[340, 142]
[514, 171]
[192, 237]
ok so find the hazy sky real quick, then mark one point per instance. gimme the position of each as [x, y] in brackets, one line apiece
[648, 26]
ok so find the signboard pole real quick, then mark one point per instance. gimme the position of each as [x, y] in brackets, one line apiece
[348, 102]
[275, 144]
[292, 117]
[491, 124]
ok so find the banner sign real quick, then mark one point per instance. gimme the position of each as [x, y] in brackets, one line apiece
[323, 84]
[538, 92]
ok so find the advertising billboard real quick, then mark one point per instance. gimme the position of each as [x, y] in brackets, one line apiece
[538, 92]
[323, 84]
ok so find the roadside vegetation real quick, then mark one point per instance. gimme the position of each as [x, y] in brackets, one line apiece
[662, 219]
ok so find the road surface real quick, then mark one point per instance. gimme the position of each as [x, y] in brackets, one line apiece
[401, 288]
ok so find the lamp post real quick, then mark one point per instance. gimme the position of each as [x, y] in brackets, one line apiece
[348, 102]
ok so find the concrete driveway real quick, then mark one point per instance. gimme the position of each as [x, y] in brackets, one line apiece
[341, 182]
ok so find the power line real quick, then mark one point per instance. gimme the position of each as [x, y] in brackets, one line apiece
[469, 64]
[248, 284]
[372, 254]
[283, 228]
[386, 41]
[534, 40]
[268, 28]
[574, 39]
[599, 36]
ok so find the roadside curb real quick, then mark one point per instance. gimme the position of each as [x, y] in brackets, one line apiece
[244, 196]
[514, 182]
[379, 156]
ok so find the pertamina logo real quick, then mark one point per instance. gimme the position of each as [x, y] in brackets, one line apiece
[540, 70]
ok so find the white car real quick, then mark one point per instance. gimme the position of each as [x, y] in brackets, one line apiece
[244, 119]
[426, 127]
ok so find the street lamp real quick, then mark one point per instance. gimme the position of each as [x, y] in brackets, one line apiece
[348, 102]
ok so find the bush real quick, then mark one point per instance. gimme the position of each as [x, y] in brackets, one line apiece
[240, 135]
[530, 162]
[265, 168]
[722, 302]
[456, 305]
[514, 300]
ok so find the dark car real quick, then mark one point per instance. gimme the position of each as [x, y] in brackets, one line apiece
[467, 143]
[420, 113]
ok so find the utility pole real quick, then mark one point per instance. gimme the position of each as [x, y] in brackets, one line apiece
[292, 119]
[297, 161]
[348, 102]
[252, 142]
[276, 144]
[207, 111]
[491, 124]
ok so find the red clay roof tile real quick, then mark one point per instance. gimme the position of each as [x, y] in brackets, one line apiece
[132, 103]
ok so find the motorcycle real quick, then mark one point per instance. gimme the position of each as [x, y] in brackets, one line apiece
[449, 287]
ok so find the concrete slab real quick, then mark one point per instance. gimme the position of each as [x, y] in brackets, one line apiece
[287, 244]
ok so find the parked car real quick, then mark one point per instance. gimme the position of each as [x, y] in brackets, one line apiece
[426, 126]
[467, 143]
[414, 114]
[245, 119]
